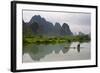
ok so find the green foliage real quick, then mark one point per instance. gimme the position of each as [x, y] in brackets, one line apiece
[38, 39]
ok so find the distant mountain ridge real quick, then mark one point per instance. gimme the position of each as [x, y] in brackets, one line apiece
[39, 26]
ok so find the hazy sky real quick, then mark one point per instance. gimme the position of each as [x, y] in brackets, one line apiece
[78, 22]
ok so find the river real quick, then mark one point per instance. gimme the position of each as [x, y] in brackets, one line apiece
[56, 52]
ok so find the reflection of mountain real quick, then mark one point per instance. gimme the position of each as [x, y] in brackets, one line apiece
[39, 25]
[66, 49]
[38, 52]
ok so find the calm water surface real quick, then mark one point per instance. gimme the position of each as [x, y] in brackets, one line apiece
[56, 52]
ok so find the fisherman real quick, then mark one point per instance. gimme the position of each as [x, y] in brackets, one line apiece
[78, 47]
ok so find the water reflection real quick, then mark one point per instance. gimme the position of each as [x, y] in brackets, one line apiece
[37, 52]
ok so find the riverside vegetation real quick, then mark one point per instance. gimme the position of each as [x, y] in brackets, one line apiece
[54, 40]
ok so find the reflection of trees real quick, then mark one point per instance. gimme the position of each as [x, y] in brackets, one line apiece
[34, 52]
[38, 52]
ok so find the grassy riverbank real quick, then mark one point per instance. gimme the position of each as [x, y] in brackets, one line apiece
[54, 40]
